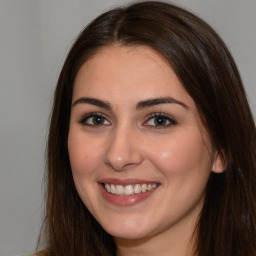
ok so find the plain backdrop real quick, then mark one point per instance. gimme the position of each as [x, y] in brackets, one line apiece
[35, 36]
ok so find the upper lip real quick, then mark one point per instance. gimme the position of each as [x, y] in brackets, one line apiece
[124, 182]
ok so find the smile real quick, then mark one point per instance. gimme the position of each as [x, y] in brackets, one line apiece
[127, 192]
[129, 189]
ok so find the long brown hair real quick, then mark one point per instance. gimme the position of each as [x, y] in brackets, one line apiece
[227, 224]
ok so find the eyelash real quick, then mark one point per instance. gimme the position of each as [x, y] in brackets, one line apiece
[103, 118]
[85, 119]
[164, 117]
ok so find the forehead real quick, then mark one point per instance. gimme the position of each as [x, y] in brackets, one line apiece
[128, 73]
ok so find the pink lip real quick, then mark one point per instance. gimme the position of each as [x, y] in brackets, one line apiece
[127, 200]
[126, 181]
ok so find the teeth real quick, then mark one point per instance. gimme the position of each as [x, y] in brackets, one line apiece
[129, 189]
[119, 189]
[144, 187]
[113, 189]
[107, 187]
[137, 188]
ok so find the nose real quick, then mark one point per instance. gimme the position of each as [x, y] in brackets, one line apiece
[123, 149]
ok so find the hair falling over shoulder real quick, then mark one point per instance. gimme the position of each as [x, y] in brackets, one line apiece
[227, 224]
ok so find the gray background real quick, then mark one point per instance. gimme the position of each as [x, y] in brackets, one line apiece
[35, 37]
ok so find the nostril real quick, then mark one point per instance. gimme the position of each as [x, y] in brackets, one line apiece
[121, 152]
[127, 165]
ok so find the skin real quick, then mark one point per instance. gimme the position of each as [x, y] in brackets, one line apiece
[128, 142]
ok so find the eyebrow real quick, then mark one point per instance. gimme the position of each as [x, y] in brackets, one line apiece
[157, 101]
[92, 101]
[140, 105]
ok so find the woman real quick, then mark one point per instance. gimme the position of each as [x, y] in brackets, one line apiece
[152, 143]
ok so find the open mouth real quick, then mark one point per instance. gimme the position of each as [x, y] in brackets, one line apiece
[127, 192]
[130, 189]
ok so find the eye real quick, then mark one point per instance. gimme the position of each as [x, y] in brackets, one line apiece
[94, 119]
[159, 120]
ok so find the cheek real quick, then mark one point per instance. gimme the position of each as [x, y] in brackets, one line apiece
[83, 155]
[181, 154]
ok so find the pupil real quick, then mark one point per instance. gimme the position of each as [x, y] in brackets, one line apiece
[160, 120]
[97, 120]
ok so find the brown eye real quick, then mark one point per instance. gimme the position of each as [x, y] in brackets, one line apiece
[97, 120]
[94, 120]
[160, 121]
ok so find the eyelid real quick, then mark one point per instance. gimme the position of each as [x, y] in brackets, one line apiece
[169, 118]
[83, 119]
[160, 114]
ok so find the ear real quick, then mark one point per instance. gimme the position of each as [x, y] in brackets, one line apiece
[219, 164]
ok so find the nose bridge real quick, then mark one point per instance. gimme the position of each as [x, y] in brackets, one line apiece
[123, 149]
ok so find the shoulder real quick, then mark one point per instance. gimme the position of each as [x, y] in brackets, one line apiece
[40, 253]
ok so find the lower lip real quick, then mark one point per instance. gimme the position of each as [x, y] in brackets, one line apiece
[128, 200]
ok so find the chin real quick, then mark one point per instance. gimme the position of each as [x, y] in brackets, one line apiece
[129, 231]
[128, 235]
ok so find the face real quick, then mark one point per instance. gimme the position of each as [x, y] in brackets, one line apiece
[139, 154]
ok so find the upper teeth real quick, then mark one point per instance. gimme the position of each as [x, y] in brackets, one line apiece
[129, 189]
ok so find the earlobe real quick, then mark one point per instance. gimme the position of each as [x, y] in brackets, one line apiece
[219, 164]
